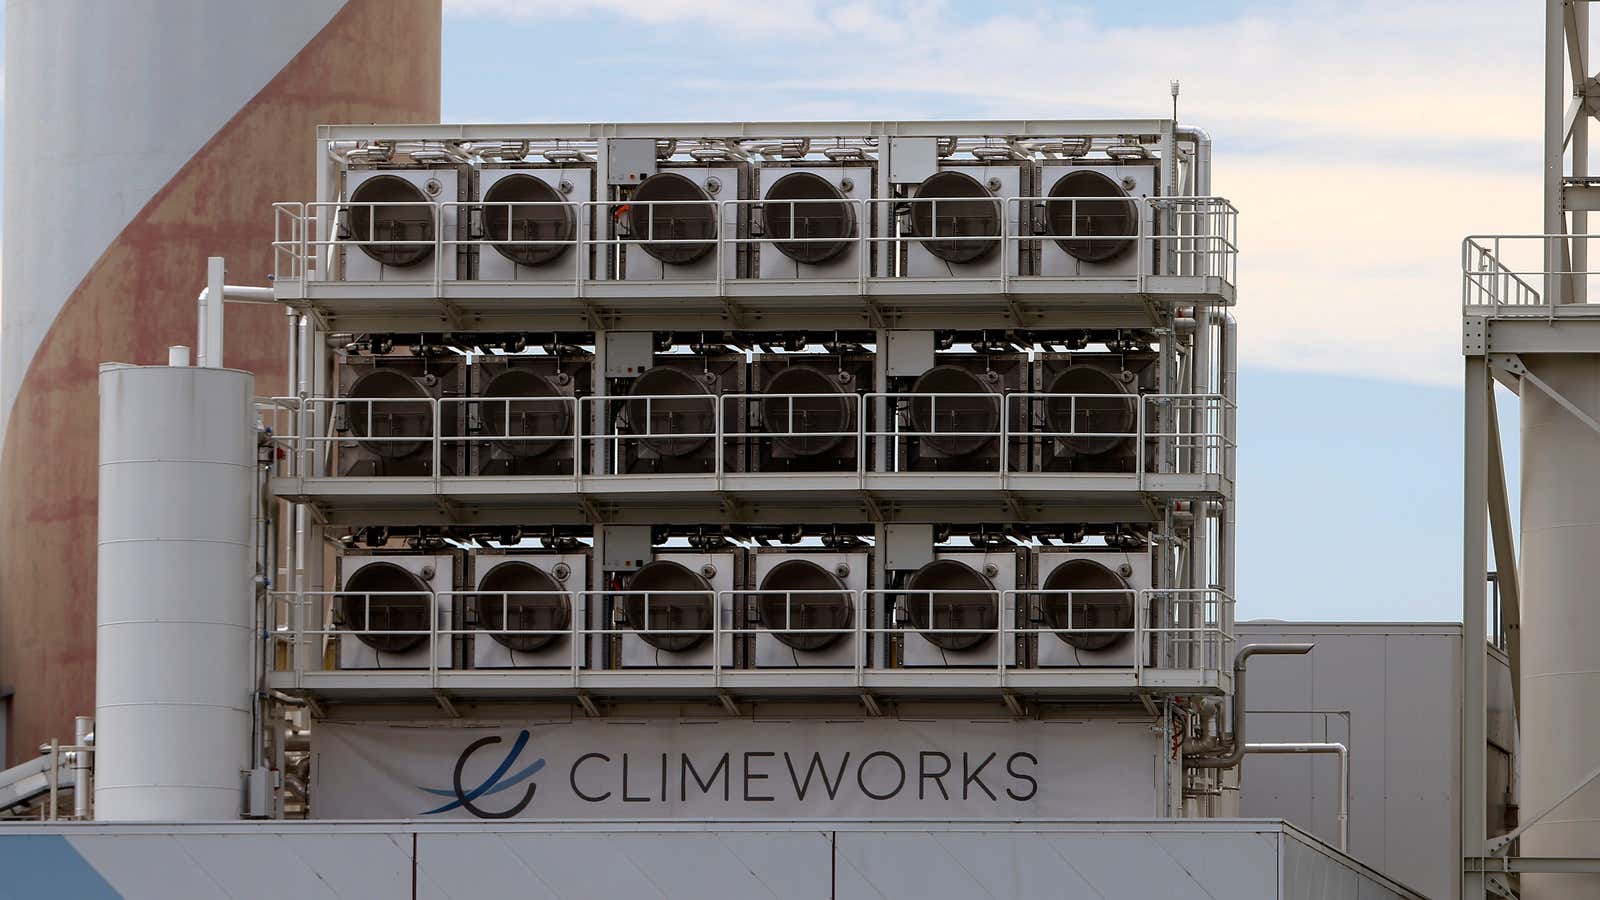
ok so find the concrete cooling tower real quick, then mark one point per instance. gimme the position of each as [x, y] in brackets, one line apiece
[142, 137]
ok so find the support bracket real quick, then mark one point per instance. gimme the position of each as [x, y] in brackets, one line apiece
[1014, 704]
[588, 704]
[1149, 703]
[871, 703]
[729, 705]
[446, 704]
[1512, 363]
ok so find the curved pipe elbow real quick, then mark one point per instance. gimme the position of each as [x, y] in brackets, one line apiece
[1240, 661]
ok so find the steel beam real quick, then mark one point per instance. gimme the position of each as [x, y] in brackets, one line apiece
[577, 131]
[1555, 143]
[1473, 799]
[1505, 552]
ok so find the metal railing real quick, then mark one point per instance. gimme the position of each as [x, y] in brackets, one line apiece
[1487, 280]
[921, 433]
[1183, 236]
[1189, 629]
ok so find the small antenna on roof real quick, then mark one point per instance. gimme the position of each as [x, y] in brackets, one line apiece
[1174, 100]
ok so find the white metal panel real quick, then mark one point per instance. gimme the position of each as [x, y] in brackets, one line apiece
[496, 266]
[730, 183]
[147, 866]
[173, 694]
[602, 866]
[775, 264]
[667, 860]
[1052, 650]
[470, 866]
[1053, 260]
[1388, 691]
[636, 652]
[358, 266]
[769, 650]
[488, 653]
[356, 654]
[922, 264]
[919, 651]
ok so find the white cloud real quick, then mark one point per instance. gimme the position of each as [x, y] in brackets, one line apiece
[1360, 140]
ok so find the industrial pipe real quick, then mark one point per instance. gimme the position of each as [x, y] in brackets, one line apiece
[82, 767]
[1202, 157]
[208, 344]
[1344, 775]
[1228, 346]
[1239, 661]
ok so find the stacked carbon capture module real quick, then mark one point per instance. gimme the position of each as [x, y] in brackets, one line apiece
[901, 451]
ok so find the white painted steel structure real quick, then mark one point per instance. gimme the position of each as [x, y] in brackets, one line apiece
[175, 656]
[1165, 494]
[1529, 324]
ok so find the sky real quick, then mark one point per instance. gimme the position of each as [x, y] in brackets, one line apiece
[1360, 141]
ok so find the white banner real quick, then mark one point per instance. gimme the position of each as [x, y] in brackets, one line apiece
[741, 769]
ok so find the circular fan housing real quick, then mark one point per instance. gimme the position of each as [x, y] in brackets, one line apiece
[386, 610]
[535, 612]
[668, 612]
[1089, 417]
[791, 418]
[683, 412]
[527, 418]
[953, 411]
[952, 610]
[403, 411]
[527, 223]
[1094, 230]
[966, 209]
[1097, 609]
[650, 217]
[391, 223]
[832, 221]
[805, 596]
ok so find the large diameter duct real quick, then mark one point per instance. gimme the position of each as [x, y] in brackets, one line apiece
[141, 138]
[175, 599]
[1560, 723]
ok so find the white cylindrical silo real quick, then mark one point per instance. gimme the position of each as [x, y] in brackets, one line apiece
[173, 696]
[1560, 568]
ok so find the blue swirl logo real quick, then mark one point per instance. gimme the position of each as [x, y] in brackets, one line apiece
[497, 781]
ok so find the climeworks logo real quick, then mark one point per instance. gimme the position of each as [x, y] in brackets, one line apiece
[497, 781]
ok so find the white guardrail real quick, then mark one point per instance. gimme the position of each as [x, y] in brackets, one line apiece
[1528, 274]
[1169, 628]
[920, 433]
[1184, 236]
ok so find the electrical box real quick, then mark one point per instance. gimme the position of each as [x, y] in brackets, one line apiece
[629, 353]
[627, 547]
[907, 546]
[912, 159]
[908, 353]
[630, 160]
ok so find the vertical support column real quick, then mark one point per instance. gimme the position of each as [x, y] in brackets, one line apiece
[1579, 37]
[210, 354]
[882, 218]
[1474, 572]
[597, 423]
[1555, 99]
[327, 190]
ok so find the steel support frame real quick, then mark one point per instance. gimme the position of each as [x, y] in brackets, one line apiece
[306, 554]
[1571, 93]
